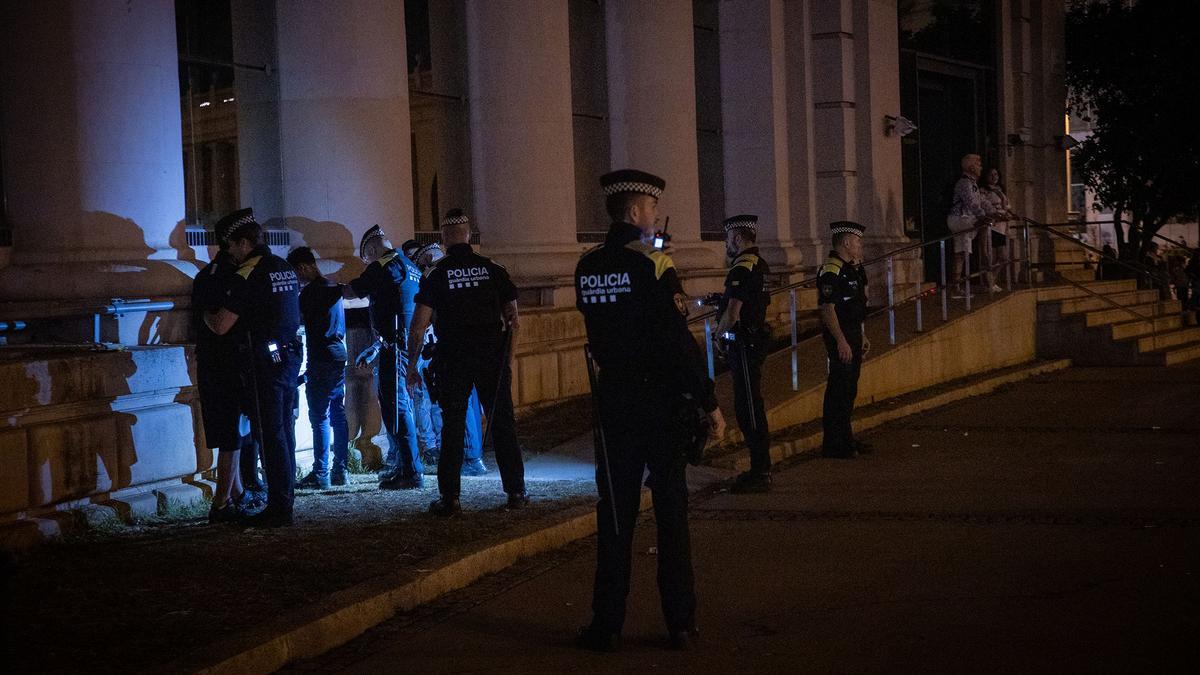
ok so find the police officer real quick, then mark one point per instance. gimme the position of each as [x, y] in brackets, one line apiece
[743, 337]
[842, 298]
[635, 312]
[427, 411]
[390, 282]
[472, 304]
[219, 384]
[264, 300]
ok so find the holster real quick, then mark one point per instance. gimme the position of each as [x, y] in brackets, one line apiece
[431, 381]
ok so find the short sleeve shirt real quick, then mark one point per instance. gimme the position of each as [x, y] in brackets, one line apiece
[390, 283]
[746, 281]
[209, 289]
[324, 320]
[968, 202]
[845, 287]
[467, 293]
[265, 295]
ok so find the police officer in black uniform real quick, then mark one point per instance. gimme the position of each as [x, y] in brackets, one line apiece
[472, 304]
[264, 302]
[219, 383]
[649, 364]
[391, 281]
[842, 298]
[743, 337]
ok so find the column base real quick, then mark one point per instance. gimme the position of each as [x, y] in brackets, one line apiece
[90, 280]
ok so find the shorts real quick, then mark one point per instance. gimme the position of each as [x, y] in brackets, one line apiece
[220, 406]
[962, 242]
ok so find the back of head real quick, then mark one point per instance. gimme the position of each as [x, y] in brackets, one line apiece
[301, 256]
[456, 227]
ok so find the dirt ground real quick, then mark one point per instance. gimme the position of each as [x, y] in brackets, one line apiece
[132, 598]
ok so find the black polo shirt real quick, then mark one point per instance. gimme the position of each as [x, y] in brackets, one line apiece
[324, 321]
[467, 293]
[845, 286]
[746, 282]
[265, 295]
[209, 289]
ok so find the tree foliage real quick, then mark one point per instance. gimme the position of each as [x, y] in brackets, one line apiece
[1132, 69]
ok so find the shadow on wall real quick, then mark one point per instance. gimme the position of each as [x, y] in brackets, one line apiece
[332, 242]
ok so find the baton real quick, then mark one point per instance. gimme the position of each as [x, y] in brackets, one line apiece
[396, 388]
[741, 347]
[256, 424]
[504, 349]
[601, 442]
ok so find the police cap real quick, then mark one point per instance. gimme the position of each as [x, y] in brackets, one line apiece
[745, 221]
[375, 232]
[228, 226]
[632, 180]
[455, 217]
[840, 226]
[410, 248]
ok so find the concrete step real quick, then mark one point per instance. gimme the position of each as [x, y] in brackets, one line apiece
[1131, 329]
[1168, 339]
[1077, 274]
[1064, 292]
[1072, 255]
[1090, 303]
[1172, 356]
[1119, 314]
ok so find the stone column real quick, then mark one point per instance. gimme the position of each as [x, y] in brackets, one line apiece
[879, 175]
[522, 156]
[92, 149]
[754, 122]
[652, 110]
[344, 122]
[808, 232]
[833, 77]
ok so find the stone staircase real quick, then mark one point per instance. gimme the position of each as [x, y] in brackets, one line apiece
[1113, 324]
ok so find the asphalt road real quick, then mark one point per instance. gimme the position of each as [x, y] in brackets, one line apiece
[1051, 526]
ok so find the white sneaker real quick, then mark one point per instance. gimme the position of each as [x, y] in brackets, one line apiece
[996, 288]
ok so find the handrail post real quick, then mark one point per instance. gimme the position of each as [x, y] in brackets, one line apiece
[1008, 263]
[891, 286]
[96, 328]
[945, 291]
[709, 346]
[920, 323]
[990, 279]
[795, 365]
[1028, 258]
[967, 280]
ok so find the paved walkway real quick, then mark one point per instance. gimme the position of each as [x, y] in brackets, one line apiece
[1053, 525]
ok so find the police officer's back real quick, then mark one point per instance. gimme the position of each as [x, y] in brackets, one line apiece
[263, 300]
[390, 281]
[472, 303]
[650, 370]
[842, 298]
[743, 336]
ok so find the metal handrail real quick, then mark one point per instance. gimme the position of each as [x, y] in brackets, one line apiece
[892, 303]
[116, 307]
[1136, 267]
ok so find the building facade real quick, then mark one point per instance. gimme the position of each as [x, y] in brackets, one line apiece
[128, 127]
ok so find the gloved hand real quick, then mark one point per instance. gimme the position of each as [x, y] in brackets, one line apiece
[367, 356]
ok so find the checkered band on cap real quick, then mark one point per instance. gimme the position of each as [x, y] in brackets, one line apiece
[230, 224]
[375, 232]
[841, 226]
[632, 186]
[631, 180]
[747, 221]
[460, 219]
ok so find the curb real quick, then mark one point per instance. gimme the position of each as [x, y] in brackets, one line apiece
[349, 613]
[808, 443]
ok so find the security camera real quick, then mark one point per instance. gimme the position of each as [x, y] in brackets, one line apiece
[898, 125]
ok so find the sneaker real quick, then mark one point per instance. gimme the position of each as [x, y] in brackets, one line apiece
[751, 481]
[996, 288]
[445, 507]
[314, 481]
[402, 483]
[598, 640]
[683, 640]
[230, 513]
[338, 478]
[269, 519]
[252, 500]
[517, 500]
[430, 463]
[474, 467]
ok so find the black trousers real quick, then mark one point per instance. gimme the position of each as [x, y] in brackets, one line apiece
[745, 359]
[639, 433]
[484, 367]
[272, 422]
[840, 392]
